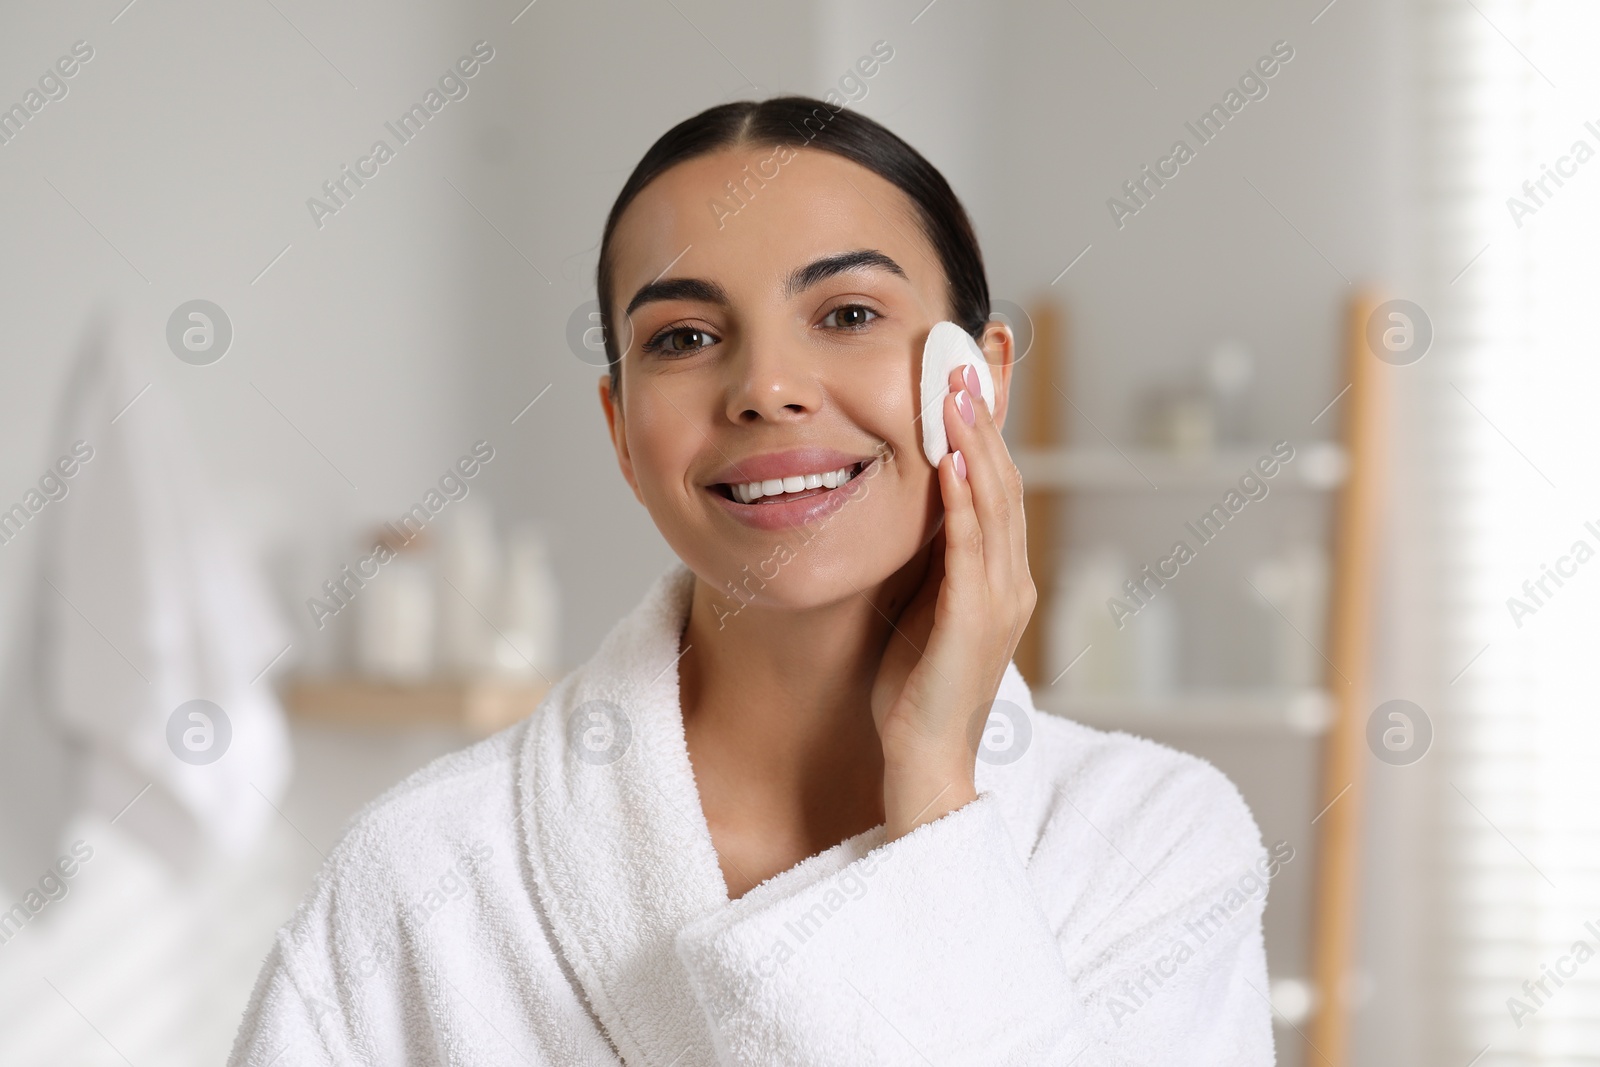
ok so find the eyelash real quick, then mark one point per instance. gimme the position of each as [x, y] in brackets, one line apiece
[657, 344]
[852, 307]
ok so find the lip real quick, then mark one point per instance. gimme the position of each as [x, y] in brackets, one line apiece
[800, 511]
[786, 464]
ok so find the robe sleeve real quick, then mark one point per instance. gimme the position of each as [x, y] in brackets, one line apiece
[280, 1024]
[938, 948]
[1185, 983]
[931, 948]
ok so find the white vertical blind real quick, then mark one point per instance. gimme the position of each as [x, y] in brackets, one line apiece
[1513, 409]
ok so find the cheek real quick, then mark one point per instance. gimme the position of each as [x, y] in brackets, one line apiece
[661, 446]
[883, 402]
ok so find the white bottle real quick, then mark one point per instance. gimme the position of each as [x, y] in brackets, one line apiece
[1155, 647]
[1229, 369]
[469, 588]
[395, 617]
[1082, 625]
[1295, 581]
[533, 607]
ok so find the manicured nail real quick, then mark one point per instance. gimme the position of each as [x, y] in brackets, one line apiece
[969, 374]
[961, 464]
[964, 406]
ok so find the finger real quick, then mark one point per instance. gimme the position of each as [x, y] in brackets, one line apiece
[985, 453]
[963, 537]
[998, 490]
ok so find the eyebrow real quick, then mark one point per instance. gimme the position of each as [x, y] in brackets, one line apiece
[800, 279]
[863, 259]
[679, 289]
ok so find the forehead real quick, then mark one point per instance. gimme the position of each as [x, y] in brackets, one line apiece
[816, 204]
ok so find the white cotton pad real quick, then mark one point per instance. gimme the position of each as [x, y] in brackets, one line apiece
[948, 347]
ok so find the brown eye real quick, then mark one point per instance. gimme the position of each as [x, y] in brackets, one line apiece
[687, 340]
[849, 317]
[679, 340]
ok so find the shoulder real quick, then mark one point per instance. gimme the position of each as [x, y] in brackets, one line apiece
[1139, 813]
[459, 796]
[1134, 781]
[447, 829]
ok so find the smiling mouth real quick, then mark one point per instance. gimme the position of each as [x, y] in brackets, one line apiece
[784, 490]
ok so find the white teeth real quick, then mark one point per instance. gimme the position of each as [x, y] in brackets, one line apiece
[750, 492]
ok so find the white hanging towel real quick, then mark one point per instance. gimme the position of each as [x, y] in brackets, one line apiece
[144, 603]
[552, 895]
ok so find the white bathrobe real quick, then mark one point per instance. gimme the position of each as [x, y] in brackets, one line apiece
[552, 896]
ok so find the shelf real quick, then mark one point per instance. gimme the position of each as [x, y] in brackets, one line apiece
[1317, 466]
[477, 706]
[1304, 712]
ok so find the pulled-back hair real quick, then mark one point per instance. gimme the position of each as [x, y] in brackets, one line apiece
[801, 121]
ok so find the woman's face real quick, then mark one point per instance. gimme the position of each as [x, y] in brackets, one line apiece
[773, 341]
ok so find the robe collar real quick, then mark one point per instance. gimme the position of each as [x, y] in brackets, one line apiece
[618, 845]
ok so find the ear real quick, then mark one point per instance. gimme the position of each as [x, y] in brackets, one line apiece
[1000, 352]
[619, 434]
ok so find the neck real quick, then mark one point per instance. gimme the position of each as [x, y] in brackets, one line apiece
[778, 701]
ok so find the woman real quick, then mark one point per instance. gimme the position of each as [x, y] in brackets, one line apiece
[758, 826]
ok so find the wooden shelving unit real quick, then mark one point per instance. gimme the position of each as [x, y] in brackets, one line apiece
[1333, 717]
[1317, 467]
[1305, 712]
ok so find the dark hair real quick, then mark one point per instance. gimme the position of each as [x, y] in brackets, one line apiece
[800, 121]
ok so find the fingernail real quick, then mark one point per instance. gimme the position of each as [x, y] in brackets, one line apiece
[961, 464]
[969, 374]
[964, 406]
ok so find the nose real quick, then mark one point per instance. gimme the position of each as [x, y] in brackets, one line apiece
[772, 381]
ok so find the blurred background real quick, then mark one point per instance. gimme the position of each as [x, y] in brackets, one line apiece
[244, 347]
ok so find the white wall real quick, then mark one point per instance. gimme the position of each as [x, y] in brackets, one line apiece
[407, 326]
[410, 325]
[191, 142]
[1076, 115]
